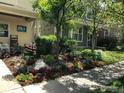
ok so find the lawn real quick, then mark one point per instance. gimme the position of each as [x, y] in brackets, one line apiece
[113, 56]
[116, 86]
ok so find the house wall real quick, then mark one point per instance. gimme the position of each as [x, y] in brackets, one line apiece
[23, 4]
[23, 37]
[84, 42]
[27, 4]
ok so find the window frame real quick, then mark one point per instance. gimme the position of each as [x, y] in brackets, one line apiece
[8, 30]
[78, 35]
[21, 26]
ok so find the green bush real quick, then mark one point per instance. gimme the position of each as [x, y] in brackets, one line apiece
[70, 43]
[67, 45]
[44, 44]
[87, 53]
[76, 53]
[49, 59]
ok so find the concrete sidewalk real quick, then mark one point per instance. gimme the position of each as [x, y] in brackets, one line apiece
[76, 83]
[7, 82]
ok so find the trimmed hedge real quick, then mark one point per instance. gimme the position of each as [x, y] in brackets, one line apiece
[44, 44]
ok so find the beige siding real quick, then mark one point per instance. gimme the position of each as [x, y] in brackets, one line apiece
[23, 4]
[12, 2]
[23, 37]
[26, 4]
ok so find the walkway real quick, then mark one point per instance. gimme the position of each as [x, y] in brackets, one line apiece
[76, 83]
[7, 82]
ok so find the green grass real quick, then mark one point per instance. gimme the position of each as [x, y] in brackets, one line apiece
[113, 56]
[108, 57]
[118, 84]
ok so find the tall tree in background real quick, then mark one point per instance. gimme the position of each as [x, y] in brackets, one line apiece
[116, 12]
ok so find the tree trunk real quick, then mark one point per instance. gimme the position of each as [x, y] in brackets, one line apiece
[94, 35]
[93, 43]
[56, 47]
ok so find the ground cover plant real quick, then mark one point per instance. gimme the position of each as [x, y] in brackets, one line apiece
[29, 69]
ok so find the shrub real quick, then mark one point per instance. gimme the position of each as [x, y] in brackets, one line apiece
[76, 53]
[49, 59]
[67, 45]
[109, 42]
[88, 54]
[70, 43]
[44, 45]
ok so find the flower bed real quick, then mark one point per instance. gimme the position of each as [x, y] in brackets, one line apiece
[35, 71]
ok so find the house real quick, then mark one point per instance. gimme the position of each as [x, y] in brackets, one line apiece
[79, 34]
[17, 20]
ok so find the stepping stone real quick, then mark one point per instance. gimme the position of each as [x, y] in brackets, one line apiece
[40, 64]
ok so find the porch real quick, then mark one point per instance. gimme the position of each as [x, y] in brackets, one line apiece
[18, 22]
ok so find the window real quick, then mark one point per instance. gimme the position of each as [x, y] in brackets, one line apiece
[78, 36]
[21, 28]
[3, 30]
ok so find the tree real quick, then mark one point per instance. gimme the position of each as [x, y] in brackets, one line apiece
[57, 12]
[95, 13]
[116, 12]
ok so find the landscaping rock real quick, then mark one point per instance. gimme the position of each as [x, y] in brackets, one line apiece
[40, 64]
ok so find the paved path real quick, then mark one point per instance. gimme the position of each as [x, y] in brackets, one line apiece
[76, 83]
[7, 82]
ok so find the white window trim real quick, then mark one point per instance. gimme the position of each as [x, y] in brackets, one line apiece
[78, 35]
[2, 22]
